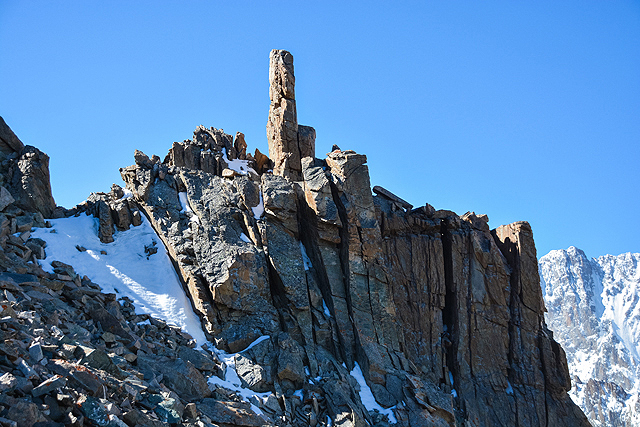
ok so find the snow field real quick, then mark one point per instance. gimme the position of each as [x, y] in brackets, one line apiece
[123, 268]
[150, 281]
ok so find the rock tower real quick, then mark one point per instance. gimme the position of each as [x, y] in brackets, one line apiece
[289, 142]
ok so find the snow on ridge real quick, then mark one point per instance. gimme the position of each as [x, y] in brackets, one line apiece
[150, 282]
[240, 166]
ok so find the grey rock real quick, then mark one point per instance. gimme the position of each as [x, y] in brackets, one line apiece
[9, 142]
[253, 375]
[5, 197]
[229, 413]
[25, 414]
[178, 375]
[49, 385]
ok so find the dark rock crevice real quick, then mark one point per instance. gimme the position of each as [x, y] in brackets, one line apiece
[450, 310]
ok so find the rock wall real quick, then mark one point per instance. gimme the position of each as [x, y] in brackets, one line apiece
[443, 315]
[25, 174]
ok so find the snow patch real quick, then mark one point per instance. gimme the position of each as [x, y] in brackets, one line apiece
[240, 166]
[256, 342]
[305, 257]
[259, 209]
[184, 202]
[232, 380]
[152, 284]
[366, 396]
[326, 309]
[186, 208]
[244, 238]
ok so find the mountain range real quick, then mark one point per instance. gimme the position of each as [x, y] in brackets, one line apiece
[593, 311]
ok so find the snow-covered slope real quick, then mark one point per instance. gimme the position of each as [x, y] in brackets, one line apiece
[135, 265]
[594, 313]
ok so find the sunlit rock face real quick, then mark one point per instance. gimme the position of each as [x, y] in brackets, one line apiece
[594, 312]
[322, 303]
[440, 316]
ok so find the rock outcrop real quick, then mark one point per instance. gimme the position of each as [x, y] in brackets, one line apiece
[25, 172]
[289, 142]
[443, 316]
[342, 307]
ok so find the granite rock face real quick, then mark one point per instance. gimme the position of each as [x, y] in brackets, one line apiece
[289, 142]
[443, 316]
[344, 308]
[25, 172]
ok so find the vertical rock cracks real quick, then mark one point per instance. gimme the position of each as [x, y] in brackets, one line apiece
[442, 315]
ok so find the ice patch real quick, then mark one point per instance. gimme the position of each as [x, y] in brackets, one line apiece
[509, 389]
[244, 238]
[451, 378]
[454, 393]
[152, 284]
[259, 209]
[366, 396]
[326, 309]
[305, 257]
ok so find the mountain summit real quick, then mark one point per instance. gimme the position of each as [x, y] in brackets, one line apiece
[321, 303]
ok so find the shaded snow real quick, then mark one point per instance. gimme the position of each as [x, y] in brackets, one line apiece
[259, 209]
[232, 380]
[305, 257]
[152, 283]
[366, 396]
[509, 389]
[326, 309]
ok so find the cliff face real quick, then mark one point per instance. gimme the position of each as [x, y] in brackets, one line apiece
[443, 316]
[595, 315]
[326, 305]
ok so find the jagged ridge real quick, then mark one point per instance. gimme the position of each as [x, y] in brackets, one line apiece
[443, 315]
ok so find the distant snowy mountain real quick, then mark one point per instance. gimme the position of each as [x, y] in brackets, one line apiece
[594, 312]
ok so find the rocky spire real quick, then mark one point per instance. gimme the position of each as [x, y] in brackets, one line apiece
[288, 142]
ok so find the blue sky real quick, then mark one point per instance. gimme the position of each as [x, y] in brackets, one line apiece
[520, 110]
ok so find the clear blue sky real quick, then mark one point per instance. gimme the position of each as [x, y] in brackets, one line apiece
[521, 110]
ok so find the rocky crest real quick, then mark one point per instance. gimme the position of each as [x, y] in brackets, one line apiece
[595, 315]
[324, 292]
